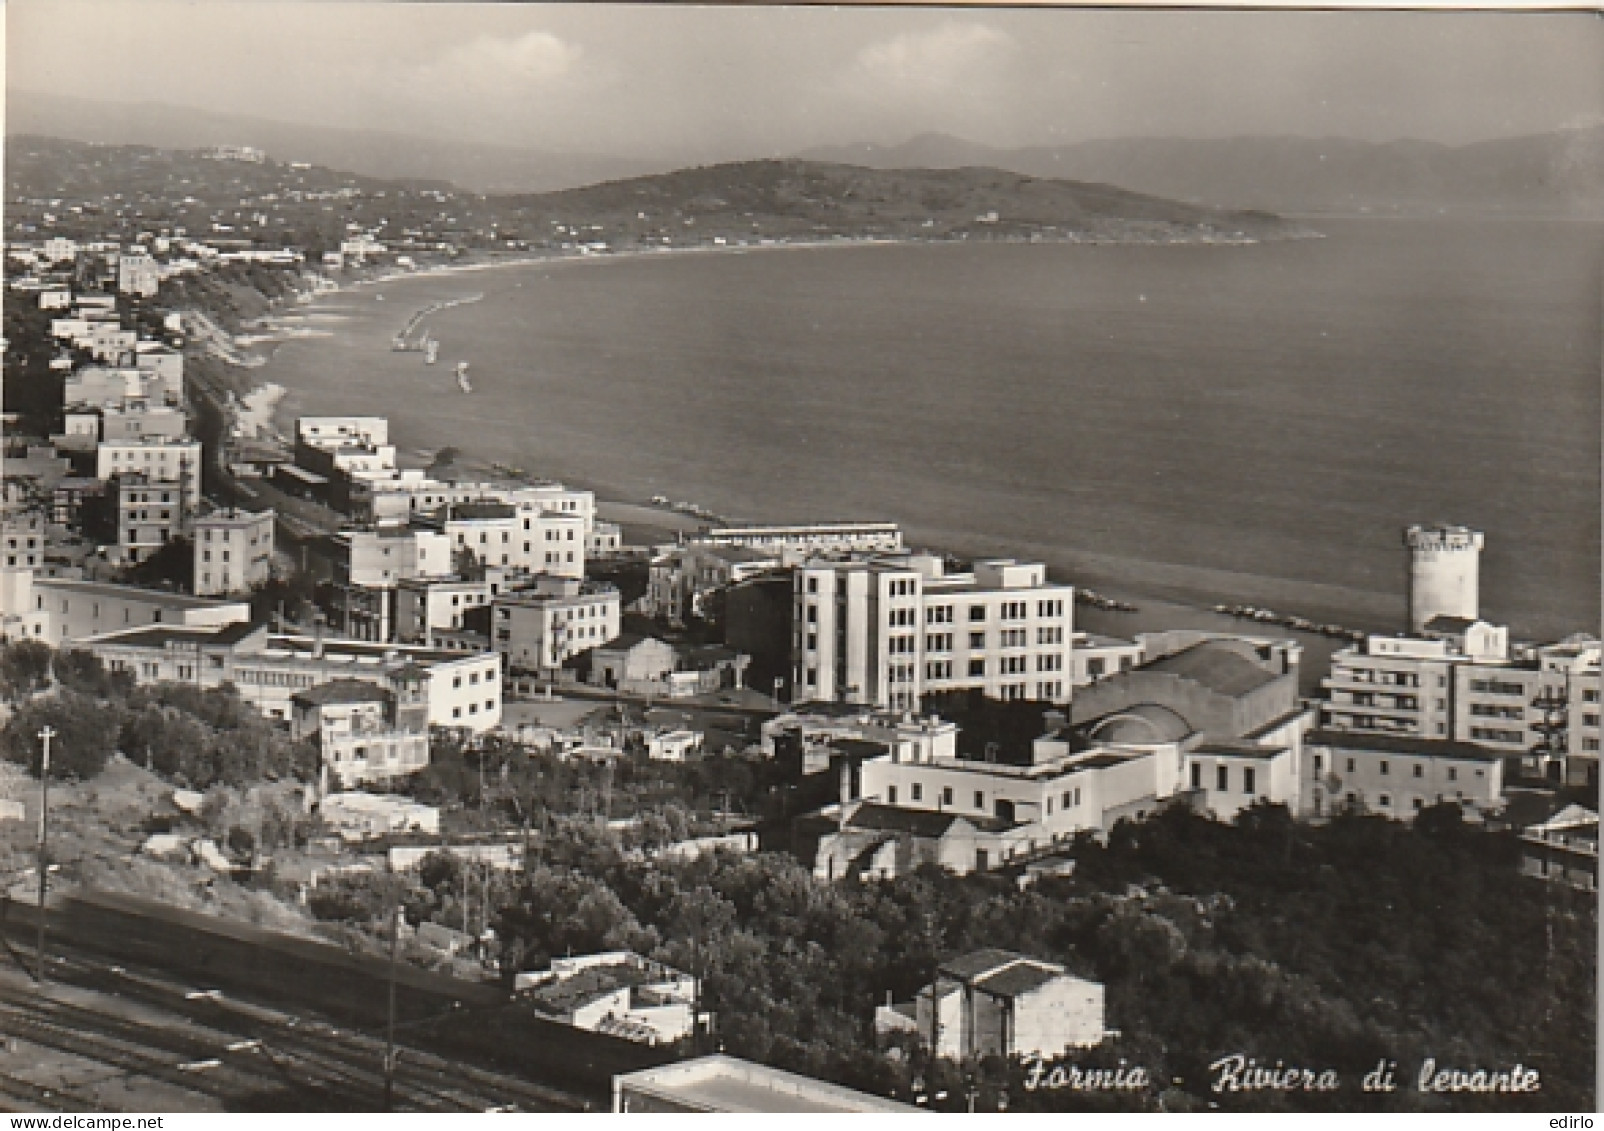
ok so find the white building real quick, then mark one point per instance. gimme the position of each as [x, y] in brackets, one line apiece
[150, 514]
[998, 1003]
[454, 690]
[425, 606]
[331, 433]
[806, 538]
[618, 993]
[539, 630]
[888, 630]
[167, 461]
[233, 551]
[362, 733]
[1398, 777]
[524, 538]
[138, 274]
[68, 611]
[358, 816]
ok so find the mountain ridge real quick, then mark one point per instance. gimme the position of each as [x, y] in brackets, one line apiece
[1561, 172]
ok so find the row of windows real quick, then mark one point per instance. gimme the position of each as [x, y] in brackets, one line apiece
[473, 709]
[1384, 766]
[1222, 778]
[1491, 710]
[1497, 687]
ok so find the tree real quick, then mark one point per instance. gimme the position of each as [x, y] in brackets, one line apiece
[77, 670]
[85, 735]
[24, 668]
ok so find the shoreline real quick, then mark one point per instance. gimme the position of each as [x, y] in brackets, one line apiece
[1171, 585]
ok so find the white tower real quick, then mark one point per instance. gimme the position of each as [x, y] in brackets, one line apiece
[1444, 571]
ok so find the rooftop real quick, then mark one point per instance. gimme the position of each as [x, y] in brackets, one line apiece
[110, 591]
[342, 691]
[1396, 744]
[567, 994]
[1446, 624]
[1018, 979]
[1239, 750]
[1216, 665]
[727, 1084]
[874, 817]
[979, 963]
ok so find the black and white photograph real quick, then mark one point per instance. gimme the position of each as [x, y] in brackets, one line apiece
[754, 558]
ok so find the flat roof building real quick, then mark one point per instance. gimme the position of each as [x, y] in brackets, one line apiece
[727, 1084]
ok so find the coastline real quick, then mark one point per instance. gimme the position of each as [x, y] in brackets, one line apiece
[1170, 584]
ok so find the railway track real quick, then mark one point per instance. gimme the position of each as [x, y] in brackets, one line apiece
[223, 1046]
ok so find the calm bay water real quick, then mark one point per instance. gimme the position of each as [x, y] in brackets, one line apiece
[1195, 423]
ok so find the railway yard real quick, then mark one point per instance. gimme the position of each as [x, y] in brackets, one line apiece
[105, 1035]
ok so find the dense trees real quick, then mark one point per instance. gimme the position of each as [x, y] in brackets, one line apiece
[197, 737]
[24, 668]
[85, 735]
[1329, 947]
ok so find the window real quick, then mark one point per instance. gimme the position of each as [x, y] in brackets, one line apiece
[977, 640]
[1418, 804]
[1384, 766]
[980, 799]
[1247, 779]
[1222, 775]
[1420, 771]
[918, 791]
[891, 795]
[813, 585]
[1385, 800]
[813, 614]
[946, 795]
[1317, 761]
[977, 667]
[1094, 667]
[977, 612]
[1197, 775]
[1350, 765]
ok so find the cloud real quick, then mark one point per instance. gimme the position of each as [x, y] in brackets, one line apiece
[946, 56]
[535, 59]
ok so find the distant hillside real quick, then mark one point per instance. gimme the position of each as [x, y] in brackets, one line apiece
[1554, 173]
[374, 153]
[798, 198]
[80, 189]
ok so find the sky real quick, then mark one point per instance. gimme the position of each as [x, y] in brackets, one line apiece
[717, 83]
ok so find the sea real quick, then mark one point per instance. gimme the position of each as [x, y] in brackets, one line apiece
[1190, 424]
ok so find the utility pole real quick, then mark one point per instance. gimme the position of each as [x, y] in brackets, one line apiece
[389, 1029]
[45, 736]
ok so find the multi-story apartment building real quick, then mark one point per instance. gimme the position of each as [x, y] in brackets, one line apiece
[176, 462]
[66, 611]
[138, 274]
[516, 537]
[679, 579]
[1398, 777]
[1455, 678]
[425, 606]
[138, 422]
[233, 551]
[334, 432]
[363, 733]
[888, 630]
[366, 566]
[447, 689]
[150, 514]
[537, 630]
[1540, 704]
